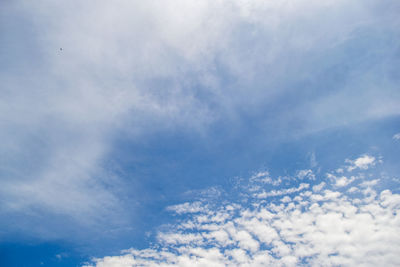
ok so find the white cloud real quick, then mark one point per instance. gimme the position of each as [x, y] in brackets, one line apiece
[369, 183]
[317, 188]
[265, 178]
[363, 163]
[274, 193]
[344, 181]
[302, 174]
[339, 170]
[396, 136]
[353, 189]
[315, 228]
[139, 67]
[187, 208]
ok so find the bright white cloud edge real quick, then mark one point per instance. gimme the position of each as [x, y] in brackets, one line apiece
[316, 225]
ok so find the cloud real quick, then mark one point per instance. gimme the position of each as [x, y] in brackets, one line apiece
[187, 208]
[396, 136]
[318, 187]
[274, 193]
[139, 67]
[264, 177]
[344, 181]
[319, 227]
[340, 181]
[305, 174]
[313, 160]
[363, 163]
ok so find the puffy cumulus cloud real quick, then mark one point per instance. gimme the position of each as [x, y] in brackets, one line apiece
[315, 226]
[363, 162]
[340, 181]
[140, 66]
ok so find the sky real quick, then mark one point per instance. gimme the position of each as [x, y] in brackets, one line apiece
[199, 133]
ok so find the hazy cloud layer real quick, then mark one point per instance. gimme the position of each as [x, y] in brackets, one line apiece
[139, 67]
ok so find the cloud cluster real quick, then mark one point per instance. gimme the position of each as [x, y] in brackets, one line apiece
[138, 67]
[309, 225]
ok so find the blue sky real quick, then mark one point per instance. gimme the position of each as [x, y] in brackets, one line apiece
[156, 116]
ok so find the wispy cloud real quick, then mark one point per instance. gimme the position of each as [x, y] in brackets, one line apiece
[138, 67]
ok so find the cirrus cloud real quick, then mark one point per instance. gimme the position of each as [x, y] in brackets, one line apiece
[139, 67]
